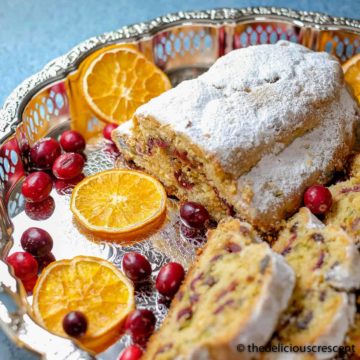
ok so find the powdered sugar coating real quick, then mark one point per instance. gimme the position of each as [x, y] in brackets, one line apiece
[277, 177]
[249, 100]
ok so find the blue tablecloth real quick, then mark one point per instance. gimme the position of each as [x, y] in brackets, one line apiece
[34, 32]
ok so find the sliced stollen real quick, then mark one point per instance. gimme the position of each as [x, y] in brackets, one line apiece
[345, 210]
[220, 141]
[328, 251]
[233, 294]
[318, 317]
[327, 265]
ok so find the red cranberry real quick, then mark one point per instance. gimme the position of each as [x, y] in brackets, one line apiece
[75, 324]
[194, 214]
[140, 324]
[108, 129]
[132, 352]
[44, 153]
[36, 241]
[45, 260]
[136, 266]
[169, 279]
[41, 210]
[318, 199]
[37, 186]
[68, 166]
[29, 284]
[24, 264]
[72, 141]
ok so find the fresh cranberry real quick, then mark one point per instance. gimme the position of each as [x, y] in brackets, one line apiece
[68, 166]
[41, 210]
[140, 324]
[63, 187]
[75, 324]
[37, 186]
[132, 352]
[45, 260]
[136, 266]
[72, 141]
[108, 129]
[29, 284]
[318, 199]
[194, 214]
[44, 153]
[36, 241]
[169, 279]
[24, 264]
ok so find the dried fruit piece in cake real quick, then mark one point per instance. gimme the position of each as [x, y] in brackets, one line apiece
[345, 211]
[235, 283]
[202, 152]
[327, 264]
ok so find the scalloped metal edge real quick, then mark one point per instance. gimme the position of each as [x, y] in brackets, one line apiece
[10, 113]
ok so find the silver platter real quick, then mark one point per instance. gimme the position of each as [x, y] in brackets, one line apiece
[183, 44]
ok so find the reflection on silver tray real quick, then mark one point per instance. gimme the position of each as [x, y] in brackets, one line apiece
[183, 45]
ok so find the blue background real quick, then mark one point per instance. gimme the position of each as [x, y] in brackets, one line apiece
[33, 32]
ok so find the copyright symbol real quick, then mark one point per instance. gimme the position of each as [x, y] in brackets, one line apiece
[240, 348]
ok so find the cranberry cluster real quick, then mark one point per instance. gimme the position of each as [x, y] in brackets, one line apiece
[47, 159]
[140, 323]
[64, 160]
[37, 244]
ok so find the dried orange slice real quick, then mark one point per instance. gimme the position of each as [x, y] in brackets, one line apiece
[82, 116]
[116, 202]
[88, 284]
[352, 74]
[118, 81]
